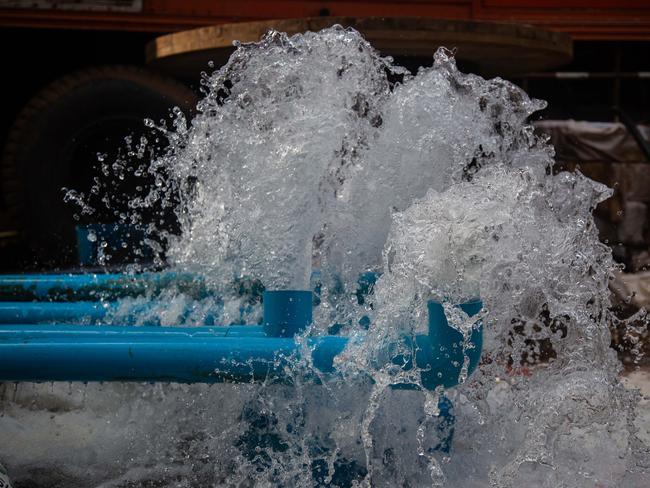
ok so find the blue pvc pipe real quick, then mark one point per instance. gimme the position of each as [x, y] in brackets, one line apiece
[52, 312]
[207, 354]
[287, 312]
[442, 352]
[88, 313]
[73, 287]
[178, 354]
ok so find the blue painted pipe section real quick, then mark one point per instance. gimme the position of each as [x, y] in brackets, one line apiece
[91, 313]
[178, 354]
[445, 426]
[72, 287]
[52, 312]
[88, 286]
[207, 354]
[442, 352]
[287, 312]
[199, 354]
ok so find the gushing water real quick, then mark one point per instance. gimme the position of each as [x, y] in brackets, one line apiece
[313, 153]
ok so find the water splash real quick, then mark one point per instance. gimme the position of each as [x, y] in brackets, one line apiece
[312, 150]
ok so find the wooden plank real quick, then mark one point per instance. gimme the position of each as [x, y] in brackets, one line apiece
[490, 47]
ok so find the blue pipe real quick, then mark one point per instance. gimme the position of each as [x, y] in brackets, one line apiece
[178, 354]
[441, 353]
[111, 286]
[209, 354]
[88, 313]
[287, 312]
[73, 287]
[52, 312]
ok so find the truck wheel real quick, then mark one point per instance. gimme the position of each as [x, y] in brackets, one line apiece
[55, 141]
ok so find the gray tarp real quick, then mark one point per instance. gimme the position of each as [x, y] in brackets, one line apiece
[609, 142]
[593, 141]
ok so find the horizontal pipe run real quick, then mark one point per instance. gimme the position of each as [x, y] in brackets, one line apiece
[57, 333]
[53, 312]
[194, 354]
[75, 287]
[184, 355]
[58, 352]
[93, 313]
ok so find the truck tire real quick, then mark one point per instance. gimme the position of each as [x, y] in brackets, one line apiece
[54, 144]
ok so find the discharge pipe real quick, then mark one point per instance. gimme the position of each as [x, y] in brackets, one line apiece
[87, 286]
[57, 352]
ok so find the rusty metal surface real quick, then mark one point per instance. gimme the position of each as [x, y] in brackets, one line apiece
[77, 5]
[582, 19]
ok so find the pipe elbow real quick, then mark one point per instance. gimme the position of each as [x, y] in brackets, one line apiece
[441, 354]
